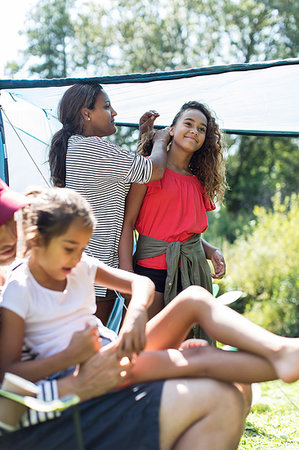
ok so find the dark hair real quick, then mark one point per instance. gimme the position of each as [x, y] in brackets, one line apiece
[78, 96]
[51, 213]
[207, 163]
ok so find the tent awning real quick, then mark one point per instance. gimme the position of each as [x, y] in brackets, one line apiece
[258, 98]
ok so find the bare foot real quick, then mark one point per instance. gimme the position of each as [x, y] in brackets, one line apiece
[286, 360]
[192, 343]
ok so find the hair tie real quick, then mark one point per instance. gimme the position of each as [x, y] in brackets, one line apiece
[68, 127]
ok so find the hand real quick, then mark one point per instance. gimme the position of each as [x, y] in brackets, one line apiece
[146, 121]
[131, 338]
[162, 135]
[218, 262]
[100, 374]
[83, 345]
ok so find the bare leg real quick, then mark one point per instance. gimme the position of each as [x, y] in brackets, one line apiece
[196, 305]
[192, 415]
[157, 305]
[207, 362]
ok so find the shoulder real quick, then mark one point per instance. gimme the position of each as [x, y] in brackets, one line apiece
[18, 274]
[16, 292]
[87, 265]
[93, 143]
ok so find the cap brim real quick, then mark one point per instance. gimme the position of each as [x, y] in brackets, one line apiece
[10, 202]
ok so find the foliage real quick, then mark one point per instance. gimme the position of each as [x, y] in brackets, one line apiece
[272, 423]
[263, 265]
[93, 37]
[49, 33]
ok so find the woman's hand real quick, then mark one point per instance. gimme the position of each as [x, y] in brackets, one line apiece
[218, 262]
[100, 374]
[84, 344]
[131, 339]
[162, 135]
[146, 121]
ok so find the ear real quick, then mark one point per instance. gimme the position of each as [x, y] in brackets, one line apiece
[171, 131]
[33, 238]
[85, 112]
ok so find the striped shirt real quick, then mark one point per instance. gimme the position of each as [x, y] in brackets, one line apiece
[102, 172]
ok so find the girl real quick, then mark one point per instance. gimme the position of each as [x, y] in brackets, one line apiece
[170, 214]
[81, 159]
[48, 303]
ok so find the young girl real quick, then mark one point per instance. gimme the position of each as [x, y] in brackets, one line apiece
[81, 159]
[170, 214]
[48, 304]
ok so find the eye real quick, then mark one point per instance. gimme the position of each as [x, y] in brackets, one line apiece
[68, 250]
[188, 124]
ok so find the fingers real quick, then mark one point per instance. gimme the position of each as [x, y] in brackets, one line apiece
[146, 121]
[129, 345]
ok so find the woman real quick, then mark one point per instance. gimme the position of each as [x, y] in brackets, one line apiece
[81, 159]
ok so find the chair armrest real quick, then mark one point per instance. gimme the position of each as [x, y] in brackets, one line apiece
[41, 405]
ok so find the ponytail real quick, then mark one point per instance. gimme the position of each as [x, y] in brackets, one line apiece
[57, 157]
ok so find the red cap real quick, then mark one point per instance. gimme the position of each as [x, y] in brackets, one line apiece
[10, 202]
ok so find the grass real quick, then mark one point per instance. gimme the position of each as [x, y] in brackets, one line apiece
[273, 422]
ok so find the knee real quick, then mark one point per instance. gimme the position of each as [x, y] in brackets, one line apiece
[234, 404]
[196, 296]
[196, 293]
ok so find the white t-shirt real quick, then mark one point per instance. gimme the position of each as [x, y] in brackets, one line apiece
[102, 172]
[51, 317]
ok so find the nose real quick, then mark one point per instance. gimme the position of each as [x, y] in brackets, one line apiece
[194, 131]
[76, 258]
[113, 112]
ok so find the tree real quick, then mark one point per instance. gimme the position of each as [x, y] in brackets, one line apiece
[49, 34]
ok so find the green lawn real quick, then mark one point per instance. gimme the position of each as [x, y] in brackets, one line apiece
[274, 421]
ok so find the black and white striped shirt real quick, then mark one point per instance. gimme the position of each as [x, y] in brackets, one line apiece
[102, 172]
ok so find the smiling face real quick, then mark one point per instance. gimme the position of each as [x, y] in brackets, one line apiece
[51, 264]
[8, 242]
[100, 120]
[189, 132]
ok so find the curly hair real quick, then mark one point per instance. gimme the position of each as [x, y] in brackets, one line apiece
[207, 163]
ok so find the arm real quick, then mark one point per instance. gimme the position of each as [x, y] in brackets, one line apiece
[161, 140]
[159, 153]
[133, 204]
[132, 334]
[82, 346]
[216, 257]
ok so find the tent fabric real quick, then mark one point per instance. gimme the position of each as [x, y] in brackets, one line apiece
[257, 98]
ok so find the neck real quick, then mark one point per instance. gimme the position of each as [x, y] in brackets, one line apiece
[179, 161]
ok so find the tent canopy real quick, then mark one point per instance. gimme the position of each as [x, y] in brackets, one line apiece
[259, 99]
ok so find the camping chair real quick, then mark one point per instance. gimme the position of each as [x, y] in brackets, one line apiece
[69, 401]
[119, 305]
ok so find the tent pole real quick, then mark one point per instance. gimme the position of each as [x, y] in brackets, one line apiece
[3, 152]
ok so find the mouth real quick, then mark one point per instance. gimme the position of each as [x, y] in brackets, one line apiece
[8, 251]
[67, 270]
[192, 138]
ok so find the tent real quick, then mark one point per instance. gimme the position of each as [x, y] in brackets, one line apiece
[258, 98]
